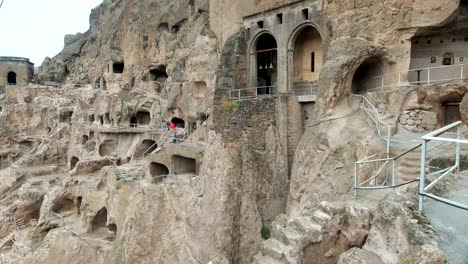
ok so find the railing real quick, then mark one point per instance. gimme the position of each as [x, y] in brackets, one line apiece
[450, 170]
[383, 129]
[251, 93]
[305, 88]
[423, 76]
[384, 176]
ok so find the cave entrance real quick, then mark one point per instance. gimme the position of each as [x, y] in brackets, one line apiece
[308, 54]
[108, 148]
[180, 123]
[66, 117]
[11, 78]
[184, 165]
[84, 139]
[158, 74]
[266, 63]
[118, 67]
[100, 220]
[73, 162]
[141, 118]
[158, 171]
[146, 147]
[364, 77]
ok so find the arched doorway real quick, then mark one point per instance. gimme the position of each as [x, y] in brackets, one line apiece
[307, 55]
[11, 78]
[364, 77]
[266, 66]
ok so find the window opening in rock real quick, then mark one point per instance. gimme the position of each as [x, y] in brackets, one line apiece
[91, 118]
[158, 171]
[260, 24]
[159, 73]
[100, 220]
[180, 123]
[84, 139]
[279, 18]
[73, 162]
[133, 121]
[266, 57]
[184, 165]
[11, 78]
[66, 117]
[305, 13]
[448, 58]
[143, 118]
[101, 120]
[118, 67]
[79, 200]
[107, 119]
[91, 134]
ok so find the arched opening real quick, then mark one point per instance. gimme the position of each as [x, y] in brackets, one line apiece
[101, 120]
[199, 90]
[91, 118]
[146, 147]
[141, 118]
[118, 67]
[184, 165]
[363, 79]
[108, 148]
[84, 139]
[11, 78]
[266, 56]
[307, 57]
[180, 123]
[73, 162]
[158, 171]
[107, 119]
[99, 220]
[79, 200]
[158, 74]
[66, 117]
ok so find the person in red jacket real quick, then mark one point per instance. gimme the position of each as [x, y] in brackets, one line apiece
[172, 126]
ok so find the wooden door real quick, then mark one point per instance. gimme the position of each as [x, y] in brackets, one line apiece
[451, 113]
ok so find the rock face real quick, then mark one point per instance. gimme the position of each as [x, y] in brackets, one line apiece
[91, 174]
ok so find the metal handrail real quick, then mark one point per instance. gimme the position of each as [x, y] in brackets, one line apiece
[390, 160]
[434, 136]
[251, 93]
[398, 76]
[377, 120]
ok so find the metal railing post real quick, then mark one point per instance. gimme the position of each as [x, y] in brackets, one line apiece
[458, 148]
[388, 141]
[423, 174]
[461, 74]
[428, 75]
[355, 178]
[382, 82]
[393, 174]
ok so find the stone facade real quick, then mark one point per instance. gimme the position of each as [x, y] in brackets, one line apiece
[418, 120]
[15, 71]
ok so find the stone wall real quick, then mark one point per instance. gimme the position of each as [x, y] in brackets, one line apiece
[23, 69]
[418, 120]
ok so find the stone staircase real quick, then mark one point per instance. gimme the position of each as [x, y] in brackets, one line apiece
[290, 237]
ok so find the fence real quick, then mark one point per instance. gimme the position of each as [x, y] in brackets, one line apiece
[377, 174]
[383, 129]
[423, 76]
[252, 93]
[442, 173]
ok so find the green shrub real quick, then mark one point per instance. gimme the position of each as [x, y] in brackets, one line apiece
[265, 232]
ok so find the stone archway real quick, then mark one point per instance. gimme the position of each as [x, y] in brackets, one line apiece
[264, 62]
[11, 78]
